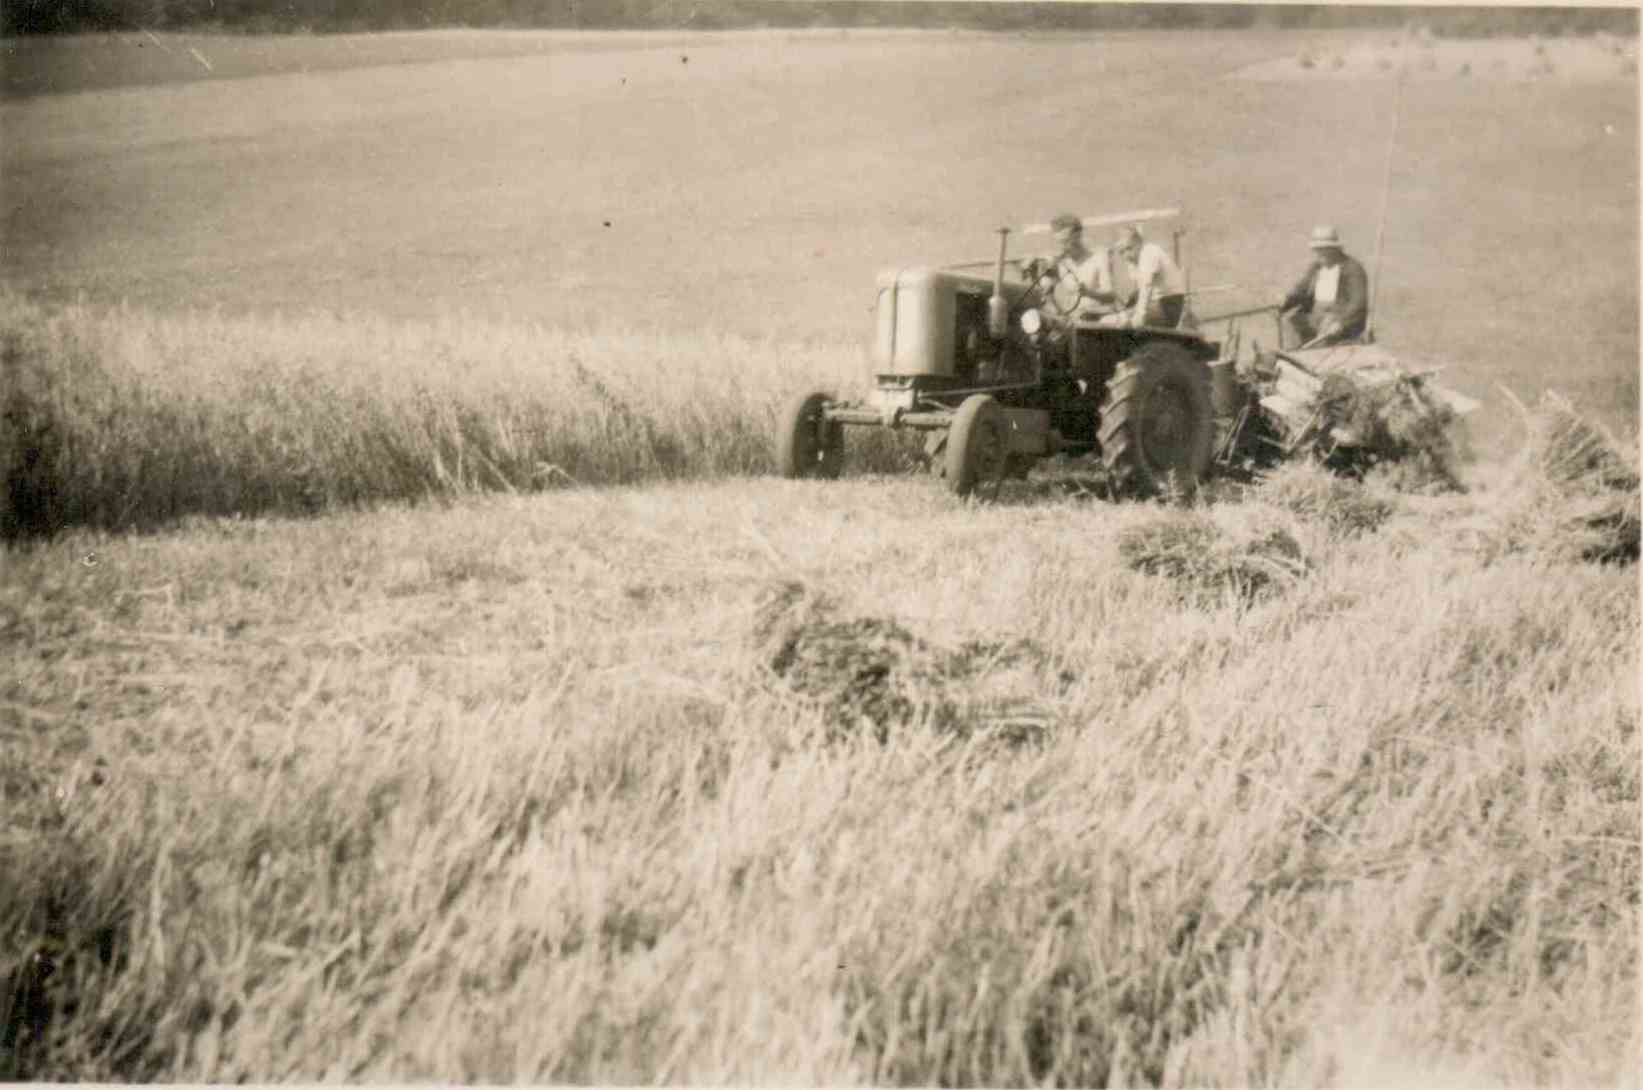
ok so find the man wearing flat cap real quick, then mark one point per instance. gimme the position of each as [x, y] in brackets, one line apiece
[1330, 303]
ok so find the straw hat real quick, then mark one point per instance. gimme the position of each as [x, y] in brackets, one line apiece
[1325, 238]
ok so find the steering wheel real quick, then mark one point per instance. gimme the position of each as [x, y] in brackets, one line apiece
[1067, 293]
[1064, 293]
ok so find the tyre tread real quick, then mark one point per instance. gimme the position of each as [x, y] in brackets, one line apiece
[1121, 451]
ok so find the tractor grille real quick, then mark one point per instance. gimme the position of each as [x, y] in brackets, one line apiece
[971, 343]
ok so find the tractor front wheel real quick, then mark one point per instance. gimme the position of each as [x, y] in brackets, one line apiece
[1158, 422]
[978, 446]
[807, 443]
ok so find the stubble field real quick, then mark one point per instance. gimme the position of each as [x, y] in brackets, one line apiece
[736, 779]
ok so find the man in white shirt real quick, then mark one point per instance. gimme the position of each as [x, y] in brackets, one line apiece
[1330, 302]
[1160, 289]
[1076, 263]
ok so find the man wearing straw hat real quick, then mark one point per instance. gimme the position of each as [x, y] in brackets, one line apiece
[1330, 303]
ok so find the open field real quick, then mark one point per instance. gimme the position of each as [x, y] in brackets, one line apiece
[753, 183]
[1599, 58]
[98, 62]
[707, 777]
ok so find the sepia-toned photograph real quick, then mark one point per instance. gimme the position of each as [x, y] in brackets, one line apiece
[819, 542]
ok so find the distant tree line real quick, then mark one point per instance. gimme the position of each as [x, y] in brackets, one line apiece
[71, 16]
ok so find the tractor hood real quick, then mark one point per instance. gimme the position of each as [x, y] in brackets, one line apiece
[929, 319]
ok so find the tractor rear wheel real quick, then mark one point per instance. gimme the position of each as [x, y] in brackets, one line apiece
[807, 443]
[978, 446]
[1158, 422]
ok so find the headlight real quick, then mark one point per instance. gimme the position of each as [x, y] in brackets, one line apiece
[1031, 321]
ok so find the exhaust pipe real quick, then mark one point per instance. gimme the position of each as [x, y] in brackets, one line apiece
[998, 308]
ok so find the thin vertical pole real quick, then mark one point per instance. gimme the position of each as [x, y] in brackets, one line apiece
[1386, 189]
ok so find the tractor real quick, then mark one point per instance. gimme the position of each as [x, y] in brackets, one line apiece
[1002, 370]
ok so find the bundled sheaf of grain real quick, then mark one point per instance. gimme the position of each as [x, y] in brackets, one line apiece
[1573, 493]
[1211, 562]
[872, 673]
[1571, 452]
[1309, 491]
[1395, 422]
